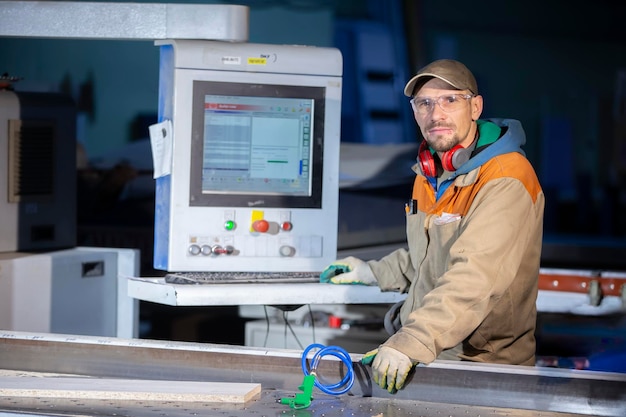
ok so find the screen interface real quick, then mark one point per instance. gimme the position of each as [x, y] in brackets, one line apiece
[257, 145]
[256, 142]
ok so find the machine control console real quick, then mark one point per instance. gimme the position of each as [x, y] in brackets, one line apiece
[271, 233]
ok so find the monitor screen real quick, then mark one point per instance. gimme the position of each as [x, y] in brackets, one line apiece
[256, 143]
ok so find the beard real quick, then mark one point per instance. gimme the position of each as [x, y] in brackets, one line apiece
[441, 143]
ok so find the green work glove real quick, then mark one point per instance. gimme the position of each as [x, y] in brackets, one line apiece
[349, 270]
[368, 358]
[391, 368]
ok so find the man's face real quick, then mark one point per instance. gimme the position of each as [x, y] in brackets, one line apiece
[444, 130]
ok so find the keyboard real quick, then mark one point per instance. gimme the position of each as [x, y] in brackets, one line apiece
[218, 277]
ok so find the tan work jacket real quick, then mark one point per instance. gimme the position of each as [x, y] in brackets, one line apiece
[472, 266]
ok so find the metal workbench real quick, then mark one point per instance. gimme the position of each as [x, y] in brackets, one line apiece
[440, 389]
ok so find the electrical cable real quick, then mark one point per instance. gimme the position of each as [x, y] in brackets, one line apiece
[267, 326]
[287, 327]
[312, 322]
[293, 333]
[391, 321]
[346, 382]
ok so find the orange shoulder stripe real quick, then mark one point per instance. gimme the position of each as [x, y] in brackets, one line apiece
[459, 199]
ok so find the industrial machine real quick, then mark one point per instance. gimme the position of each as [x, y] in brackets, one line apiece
[247, 174]
[81, 291]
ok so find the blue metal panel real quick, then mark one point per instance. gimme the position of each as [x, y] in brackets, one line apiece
[163, 184]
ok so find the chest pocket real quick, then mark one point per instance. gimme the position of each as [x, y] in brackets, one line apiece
[442, 232]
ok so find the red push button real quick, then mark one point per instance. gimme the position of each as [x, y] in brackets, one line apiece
[286, 226]
[261, 226]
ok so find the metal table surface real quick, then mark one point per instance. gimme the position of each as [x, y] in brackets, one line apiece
[440, 389]
[322, 405]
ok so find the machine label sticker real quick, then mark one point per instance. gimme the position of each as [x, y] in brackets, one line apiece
[231, 60]
[257, 61]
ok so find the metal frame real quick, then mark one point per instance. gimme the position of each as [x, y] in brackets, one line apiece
[123, 21]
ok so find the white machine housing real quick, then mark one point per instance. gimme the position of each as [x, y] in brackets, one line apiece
[202, 224]
[80, 291]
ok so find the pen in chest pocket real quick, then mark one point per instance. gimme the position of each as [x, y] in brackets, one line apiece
[410, 207]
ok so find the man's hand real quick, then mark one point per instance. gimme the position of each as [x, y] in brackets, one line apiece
[349, 270]
[390, 366]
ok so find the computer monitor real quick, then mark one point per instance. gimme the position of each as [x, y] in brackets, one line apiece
[253, 180]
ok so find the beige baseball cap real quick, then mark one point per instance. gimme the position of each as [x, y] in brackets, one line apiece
[452, 72]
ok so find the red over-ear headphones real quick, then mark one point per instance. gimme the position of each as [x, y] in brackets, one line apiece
[450, 160]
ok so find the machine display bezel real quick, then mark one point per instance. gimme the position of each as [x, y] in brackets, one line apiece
[204, 198]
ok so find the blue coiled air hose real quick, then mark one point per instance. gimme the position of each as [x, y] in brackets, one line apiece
[338, 352]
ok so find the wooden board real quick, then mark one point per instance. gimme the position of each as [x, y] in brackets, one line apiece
[87, 388]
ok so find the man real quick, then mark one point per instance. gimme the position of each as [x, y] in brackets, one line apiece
[474, 232]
